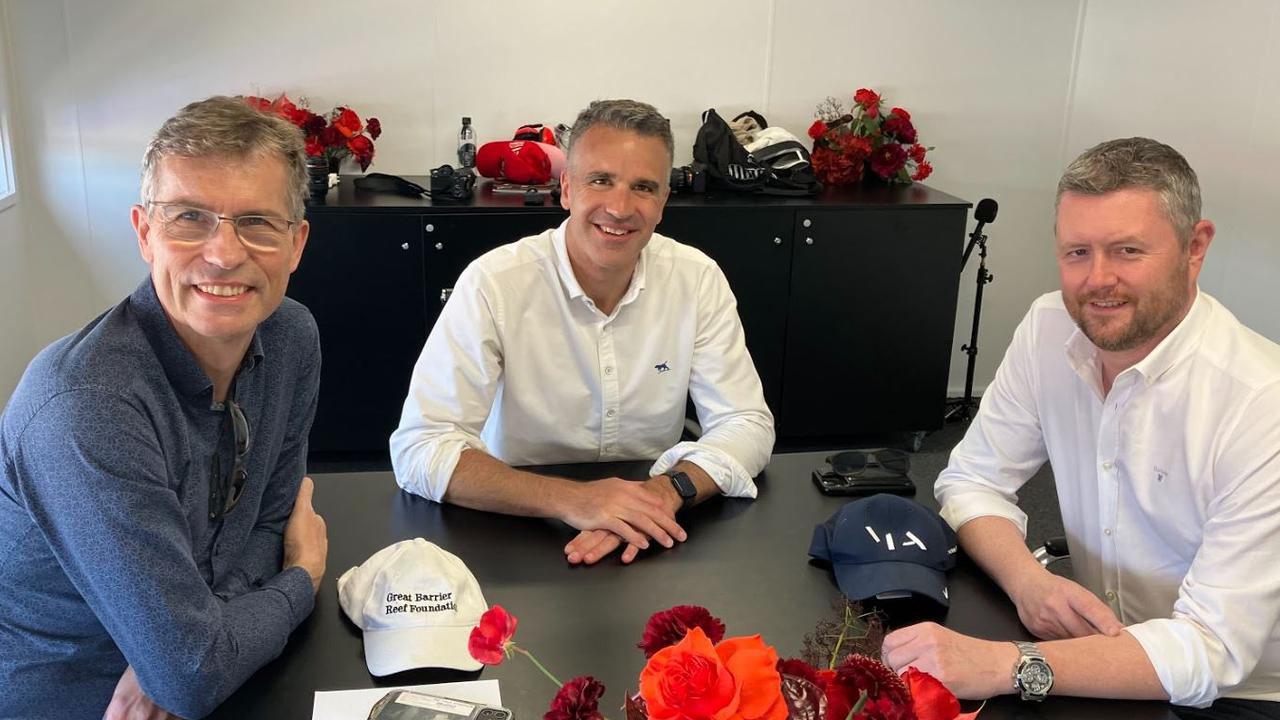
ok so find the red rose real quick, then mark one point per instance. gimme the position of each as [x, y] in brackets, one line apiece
[346, 121]
[362, 148]
[694, 680]
[314, 147]
[489, 639]
[330, 137]
[669, 627]
[923, 170]
[916, 152]
[817, 129]
[888, 159]
[374, 127]
[869, 101]
[313, 124]
[901, 128]
[900, 112]
[578, 699]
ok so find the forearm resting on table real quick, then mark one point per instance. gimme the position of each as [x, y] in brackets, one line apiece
[483, 482]
[997, 546]
[1103, 666]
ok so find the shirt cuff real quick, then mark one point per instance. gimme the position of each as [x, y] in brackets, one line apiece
[430, 465]
[295, 585]
[961, 507]
[727, 473]
[1178, 653]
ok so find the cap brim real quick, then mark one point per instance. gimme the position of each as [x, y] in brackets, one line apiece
[398, 649]
[865, 580]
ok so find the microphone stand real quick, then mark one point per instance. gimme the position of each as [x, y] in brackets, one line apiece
[964, 408]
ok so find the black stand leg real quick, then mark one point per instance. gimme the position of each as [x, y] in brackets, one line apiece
[964, 408]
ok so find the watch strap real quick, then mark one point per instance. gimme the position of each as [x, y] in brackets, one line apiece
[684, 488]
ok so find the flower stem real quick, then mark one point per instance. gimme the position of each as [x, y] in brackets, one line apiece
[844, 629]
[537, 664]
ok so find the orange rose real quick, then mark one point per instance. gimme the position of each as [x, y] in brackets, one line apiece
[694, 680]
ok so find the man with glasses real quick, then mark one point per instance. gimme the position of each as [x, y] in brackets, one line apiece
[157, 541]
[1160, 415]
[582, 344]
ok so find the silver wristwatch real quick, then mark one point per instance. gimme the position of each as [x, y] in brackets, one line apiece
[1032, 676]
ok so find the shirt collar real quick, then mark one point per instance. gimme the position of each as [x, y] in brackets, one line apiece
[1082, 354]
[178, 362]
[565, 269]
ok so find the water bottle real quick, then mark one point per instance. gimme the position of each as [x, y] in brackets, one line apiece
[467, 144]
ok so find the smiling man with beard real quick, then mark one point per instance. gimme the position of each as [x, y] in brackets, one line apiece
[1159, 413]
[581, 345]
[157, 540]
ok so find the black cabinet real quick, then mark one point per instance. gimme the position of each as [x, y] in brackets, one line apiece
[848, 300]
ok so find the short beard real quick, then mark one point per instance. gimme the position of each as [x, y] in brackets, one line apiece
[1151, 314]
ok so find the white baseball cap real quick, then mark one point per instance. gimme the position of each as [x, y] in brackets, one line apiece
[416, 605]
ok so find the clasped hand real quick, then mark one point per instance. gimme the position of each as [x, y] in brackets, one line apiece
[614, 511]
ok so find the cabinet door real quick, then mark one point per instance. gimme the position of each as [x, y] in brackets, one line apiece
[453, 241]
[361, 276]
[873, 306]
[753, 248]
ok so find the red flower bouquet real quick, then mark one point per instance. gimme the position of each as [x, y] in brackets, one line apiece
[846, 145]
[334, 136]
[695, 673]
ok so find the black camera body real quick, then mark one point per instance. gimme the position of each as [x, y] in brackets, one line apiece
[689, 178]
[448, 183]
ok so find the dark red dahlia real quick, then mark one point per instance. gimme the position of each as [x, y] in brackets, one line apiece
[668, 627]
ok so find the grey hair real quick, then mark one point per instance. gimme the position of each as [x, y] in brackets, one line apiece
[225, 127]
[637, 117]
[1138, 162]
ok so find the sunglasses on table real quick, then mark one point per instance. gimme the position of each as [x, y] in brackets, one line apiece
[225, 490]
[852, 464]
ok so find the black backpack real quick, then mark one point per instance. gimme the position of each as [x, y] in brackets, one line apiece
[730, 167]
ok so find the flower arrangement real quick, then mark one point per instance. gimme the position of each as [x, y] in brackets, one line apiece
[334, 136]
[846, 144]
[693, 672]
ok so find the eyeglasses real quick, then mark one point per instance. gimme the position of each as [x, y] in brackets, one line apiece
[183, 223]
[224, 493]
[855, 463]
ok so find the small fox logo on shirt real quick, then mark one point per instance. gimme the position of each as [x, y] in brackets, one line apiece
[661, 367]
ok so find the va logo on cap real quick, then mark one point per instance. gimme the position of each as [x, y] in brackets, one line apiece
[888, 538]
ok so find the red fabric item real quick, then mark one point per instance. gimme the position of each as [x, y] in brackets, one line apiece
[519, 161]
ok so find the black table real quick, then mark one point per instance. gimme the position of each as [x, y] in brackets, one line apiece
[745, 561]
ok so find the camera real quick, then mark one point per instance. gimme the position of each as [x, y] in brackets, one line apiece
[689, 178]
[448, 183]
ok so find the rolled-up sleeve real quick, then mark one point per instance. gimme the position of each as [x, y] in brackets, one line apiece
[451, 392]
[1003, 447]
[738, 433]
[1228, 604]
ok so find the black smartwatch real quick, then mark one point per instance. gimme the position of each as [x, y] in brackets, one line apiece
[684, 488]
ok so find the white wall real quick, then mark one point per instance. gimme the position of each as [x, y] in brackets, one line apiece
[1007, 90]
[14, 311]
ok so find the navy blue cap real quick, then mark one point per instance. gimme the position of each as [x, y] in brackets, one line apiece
[887, 544]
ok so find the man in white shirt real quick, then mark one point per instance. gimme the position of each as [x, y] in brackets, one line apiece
[1160, 415]
[581, 345]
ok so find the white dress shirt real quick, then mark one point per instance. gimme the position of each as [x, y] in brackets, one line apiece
[1169, 486]
[524, 366]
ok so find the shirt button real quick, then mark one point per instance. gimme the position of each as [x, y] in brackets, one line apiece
[1106, 531]
[1106, 464]
[611, 413]
[608, 370]
[1111, 595]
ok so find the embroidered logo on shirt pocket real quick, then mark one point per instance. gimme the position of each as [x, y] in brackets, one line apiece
[662, 367]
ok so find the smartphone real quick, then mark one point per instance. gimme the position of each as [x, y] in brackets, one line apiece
[832, 483]
[412, 705]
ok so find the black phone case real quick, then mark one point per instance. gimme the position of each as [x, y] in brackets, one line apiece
[832, 484]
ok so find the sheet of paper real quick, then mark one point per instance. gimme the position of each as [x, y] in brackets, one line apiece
[355, 704]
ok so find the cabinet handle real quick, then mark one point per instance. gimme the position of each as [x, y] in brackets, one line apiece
[404, 246]
[807, 222]
[777, 241]
[430, 227]
[808, 241]
[444, 295]
[439, 246]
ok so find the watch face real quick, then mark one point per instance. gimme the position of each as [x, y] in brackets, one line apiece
[1036, 678]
